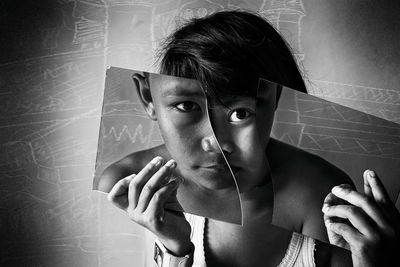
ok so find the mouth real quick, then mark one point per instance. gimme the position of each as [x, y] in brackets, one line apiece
[222, 168]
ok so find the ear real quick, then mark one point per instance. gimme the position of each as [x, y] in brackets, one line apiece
[142, 84]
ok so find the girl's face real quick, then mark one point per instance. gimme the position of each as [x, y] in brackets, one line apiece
[196, 131]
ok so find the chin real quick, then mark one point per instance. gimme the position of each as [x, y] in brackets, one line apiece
[215, 180]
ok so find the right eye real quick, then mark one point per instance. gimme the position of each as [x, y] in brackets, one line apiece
[187, 106]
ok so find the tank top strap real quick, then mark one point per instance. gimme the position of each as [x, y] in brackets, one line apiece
[300, 252]
[197, 237]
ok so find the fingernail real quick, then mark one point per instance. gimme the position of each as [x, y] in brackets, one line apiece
[337, 190]
[328, 224]
[130, 177]
[171, 164]
[177, 179]
[325, 208]
[372, 174]
[156, 161]
[176, 182]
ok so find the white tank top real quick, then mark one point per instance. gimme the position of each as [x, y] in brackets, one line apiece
[300, 252]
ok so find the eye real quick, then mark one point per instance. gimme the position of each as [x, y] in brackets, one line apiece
[239, 114]
[187, 106]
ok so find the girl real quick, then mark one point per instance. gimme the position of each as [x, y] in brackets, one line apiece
[224, 56]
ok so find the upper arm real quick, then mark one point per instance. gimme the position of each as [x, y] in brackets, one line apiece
[117, 171]
[332, 256]
[131, 164]
[340, 257]
[108, 179]
[321, 182]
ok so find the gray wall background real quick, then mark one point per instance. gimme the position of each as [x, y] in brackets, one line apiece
[52, 66]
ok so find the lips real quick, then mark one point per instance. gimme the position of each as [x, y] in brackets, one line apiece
[222, 167]
[218, 164]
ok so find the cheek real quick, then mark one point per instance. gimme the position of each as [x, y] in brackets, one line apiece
[264, 127]
[179, 138]
[264, 121]
[249, 143]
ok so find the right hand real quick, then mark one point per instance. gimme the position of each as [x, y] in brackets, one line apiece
[370, 222]
[144, 197]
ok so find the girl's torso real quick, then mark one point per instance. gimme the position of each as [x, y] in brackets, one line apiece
[283, 249]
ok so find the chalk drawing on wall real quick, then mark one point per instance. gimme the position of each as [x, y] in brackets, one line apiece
[167, 17]
[90, 24]
[124, 126]
[380, 102]
[348, 138]
[286, 16]
[198, 9]
[138, 132]
[328, 126]
[49, 86]
[46, 153]
[129, 34]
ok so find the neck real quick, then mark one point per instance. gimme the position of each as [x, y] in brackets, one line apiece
[222, 204]
[257, 201]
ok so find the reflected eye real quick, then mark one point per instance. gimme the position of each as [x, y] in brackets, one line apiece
[187, 106]
[240, 114]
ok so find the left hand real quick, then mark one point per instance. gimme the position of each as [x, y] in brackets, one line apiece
[368, 224]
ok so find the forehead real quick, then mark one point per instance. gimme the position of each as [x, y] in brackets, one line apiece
[166, 86]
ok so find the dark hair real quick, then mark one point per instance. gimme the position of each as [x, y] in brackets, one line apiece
[228, 52]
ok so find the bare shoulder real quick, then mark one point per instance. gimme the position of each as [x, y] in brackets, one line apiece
[301, 182]
[128, 165]
[301, 169]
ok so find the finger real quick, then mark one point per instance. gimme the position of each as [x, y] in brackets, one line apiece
[136, 185]
[171, 204]
[331, 200]
[333, 237]
[119, 193]
[155, 182]
[349, 233]
[367, 204]
[355, 215]
[367, 187]
[334, 219]
[155, 209]
[378, 190]
[382, 197]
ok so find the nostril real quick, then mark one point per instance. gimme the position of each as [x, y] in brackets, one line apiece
[227, 148]
[209, 144]
[206, 145]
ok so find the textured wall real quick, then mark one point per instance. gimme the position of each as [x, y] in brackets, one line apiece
[52, 66]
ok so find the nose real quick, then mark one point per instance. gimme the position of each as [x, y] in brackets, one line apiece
[211, 144]
[219, 138]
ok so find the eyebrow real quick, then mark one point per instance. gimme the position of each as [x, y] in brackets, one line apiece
[232, 99]
[182, 91]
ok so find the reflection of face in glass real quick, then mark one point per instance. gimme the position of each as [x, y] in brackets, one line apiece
[181, 111]
[242, 125]
[183, 114]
